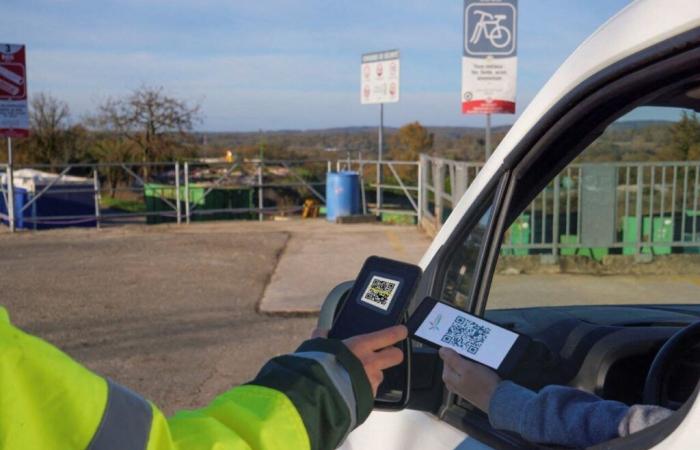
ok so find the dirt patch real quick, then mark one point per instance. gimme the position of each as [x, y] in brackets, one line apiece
[610, 265]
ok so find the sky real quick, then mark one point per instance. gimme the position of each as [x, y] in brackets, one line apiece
[279, 64]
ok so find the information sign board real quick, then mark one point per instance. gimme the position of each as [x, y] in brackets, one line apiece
[14, 116]
[380, 77]
[489, 62]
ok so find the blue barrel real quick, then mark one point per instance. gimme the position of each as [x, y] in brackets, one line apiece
[342, 194]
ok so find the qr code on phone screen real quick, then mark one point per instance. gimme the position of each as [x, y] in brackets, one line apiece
[467, 335]
[380, 292]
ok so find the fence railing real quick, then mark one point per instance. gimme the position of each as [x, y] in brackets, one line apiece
[589, 209]
[117, 193]
[592, 209]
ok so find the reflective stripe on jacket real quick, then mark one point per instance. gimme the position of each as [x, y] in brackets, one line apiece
[307, 400]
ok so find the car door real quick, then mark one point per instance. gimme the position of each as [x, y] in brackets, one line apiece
[665, 75]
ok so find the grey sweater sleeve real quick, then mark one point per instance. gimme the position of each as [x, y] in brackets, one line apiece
[566, 416]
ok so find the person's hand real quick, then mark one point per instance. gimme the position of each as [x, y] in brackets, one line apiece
[375, 352]
[473, 382]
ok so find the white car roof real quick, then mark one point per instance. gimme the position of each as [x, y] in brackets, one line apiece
[640, 25]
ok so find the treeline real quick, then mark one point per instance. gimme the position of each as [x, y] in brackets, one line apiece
[147, 125]
[144, 126]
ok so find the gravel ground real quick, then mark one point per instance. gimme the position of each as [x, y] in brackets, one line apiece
[168, 313]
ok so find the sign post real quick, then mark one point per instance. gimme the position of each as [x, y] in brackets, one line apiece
[489, 62]
[380, 84]
[14, 115]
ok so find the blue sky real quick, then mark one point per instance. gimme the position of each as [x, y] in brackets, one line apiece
[279, 64]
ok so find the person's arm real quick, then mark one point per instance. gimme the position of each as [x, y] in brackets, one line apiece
[307, 400]
[557, 415]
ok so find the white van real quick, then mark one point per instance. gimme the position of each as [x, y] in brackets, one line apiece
[646, 55]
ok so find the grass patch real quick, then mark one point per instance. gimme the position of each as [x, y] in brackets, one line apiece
[131, 206]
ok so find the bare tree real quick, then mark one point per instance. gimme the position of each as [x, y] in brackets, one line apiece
[157, 124]
[49, 119]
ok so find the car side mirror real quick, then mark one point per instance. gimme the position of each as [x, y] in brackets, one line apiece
[393, 393]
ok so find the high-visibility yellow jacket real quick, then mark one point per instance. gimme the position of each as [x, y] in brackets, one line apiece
[307, 400]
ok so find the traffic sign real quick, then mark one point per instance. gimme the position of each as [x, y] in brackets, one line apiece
[489, 62]
[14, 115]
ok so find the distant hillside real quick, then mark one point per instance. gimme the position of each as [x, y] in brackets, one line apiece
[630, 140]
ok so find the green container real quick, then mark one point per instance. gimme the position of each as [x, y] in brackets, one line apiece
[219, 198]
[661, 229]
[398, 219]
[694, 215]
[519, 234]
[596, 253]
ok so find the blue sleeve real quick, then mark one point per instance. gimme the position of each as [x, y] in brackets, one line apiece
[556, 415]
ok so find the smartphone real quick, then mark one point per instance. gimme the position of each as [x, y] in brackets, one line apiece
[439, 324]
[378, 299]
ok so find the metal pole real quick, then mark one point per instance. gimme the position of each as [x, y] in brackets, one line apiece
[187, 192]
[487, 140]
[380, 150]
[10, 186]
[362, 183]
[96, 183]
[260, 191]
[178, 208]
[419, 219]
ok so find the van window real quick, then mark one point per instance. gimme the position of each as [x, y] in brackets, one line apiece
[459, 277]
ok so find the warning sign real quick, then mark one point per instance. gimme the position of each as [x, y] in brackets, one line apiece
[14, 116]
[380, 77]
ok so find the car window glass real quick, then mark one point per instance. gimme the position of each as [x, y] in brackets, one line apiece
[619, 225]
[462, 263]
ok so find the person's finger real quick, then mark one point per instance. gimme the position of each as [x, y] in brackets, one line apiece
[450, 357]
[319, 332]
[389, 357]
[380, 339]
[450, 377]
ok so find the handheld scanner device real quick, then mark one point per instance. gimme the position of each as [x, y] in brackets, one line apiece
[378, 299]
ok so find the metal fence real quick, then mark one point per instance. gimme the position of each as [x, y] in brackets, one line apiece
[591, 209]
[118, 193]
[588, 209]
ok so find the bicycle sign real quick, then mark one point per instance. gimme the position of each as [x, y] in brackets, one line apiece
[490, 29]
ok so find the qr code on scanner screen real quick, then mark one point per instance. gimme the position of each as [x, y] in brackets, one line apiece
[467, 335]
[380, 292]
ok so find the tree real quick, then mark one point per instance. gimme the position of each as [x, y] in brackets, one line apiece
[685, 139]
[49, 121]
[159, 126]
[410, 141]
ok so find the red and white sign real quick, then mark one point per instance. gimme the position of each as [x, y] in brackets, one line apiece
[14, 115]
[380, 77]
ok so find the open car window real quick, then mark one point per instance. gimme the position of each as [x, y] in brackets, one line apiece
[619, 225]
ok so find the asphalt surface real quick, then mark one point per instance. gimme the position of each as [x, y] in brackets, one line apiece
[168, 312]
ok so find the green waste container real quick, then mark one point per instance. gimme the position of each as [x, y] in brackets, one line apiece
[694, 217]
[596, 253]
[519, 234]
[219, 198]
[660, 228]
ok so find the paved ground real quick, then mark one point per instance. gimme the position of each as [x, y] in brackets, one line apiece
[171, 311]
[319, 256]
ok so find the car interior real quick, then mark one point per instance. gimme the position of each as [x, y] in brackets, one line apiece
[645, 353]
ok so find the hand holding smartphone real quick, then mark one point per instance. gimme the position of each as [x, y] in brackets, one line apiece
[439, 324]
